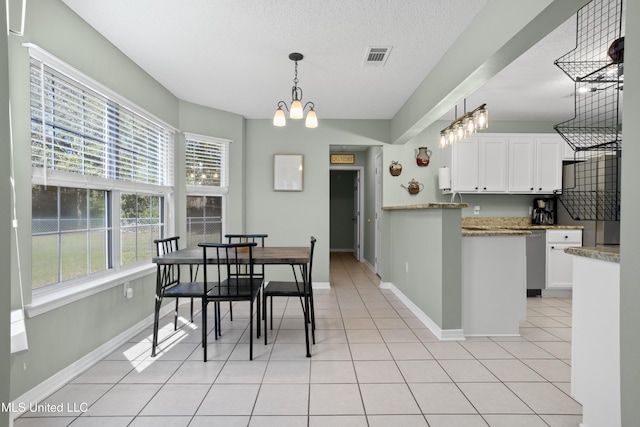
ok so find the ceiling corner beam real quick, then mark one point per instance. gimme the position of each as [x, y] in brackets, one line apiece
[499, 33]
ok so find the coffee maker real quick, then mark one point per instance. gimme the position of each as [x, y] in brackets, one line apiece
[544, 211]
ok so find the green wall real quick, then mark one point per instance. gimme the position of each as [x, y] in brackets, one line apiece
[61, 336]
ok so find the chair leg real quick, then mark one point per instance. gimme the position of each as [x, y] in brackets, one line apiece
[175, 316]
[204, 328]
[231, 311]
[156, 319]
[264, 316]
[191, 310]
[251, 330]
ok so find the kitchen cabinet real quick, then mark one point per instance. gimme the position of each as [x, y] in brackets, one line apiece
[548, 165]
[522, 171]
[465, 155]
[506, 163]
[479, 165]
[559, 265]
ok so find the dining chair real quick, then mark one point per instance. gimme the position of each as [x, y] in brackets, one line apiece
[169, 285]
[229, 276]
[258, 269]
[300, 287]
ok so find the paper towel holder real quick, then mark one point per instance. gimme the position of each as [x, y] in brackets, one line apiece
[444, 178]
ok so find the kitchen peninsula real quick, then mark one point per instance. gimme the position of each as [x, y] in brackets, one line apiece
[423, 266]
[595, 340]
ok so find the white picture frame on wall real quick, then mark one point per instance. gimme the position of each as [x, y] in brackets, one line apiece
[288, 172]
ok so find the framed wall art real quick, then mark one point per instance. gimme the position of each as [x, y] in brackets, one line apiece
[288, 172]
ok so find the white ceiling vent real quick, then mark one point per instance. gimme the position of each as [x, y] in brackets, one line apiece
[377, 56]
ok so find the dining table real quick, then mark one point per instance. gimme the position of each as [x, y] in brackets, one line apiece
[296, 256]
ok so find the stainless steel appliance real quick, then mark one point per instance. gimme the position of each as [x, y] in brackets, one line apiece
[544, 211]
[536, 266]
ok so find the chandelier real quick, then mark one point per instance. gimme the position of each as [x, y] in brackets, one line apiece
[465, 125]
[296, 111]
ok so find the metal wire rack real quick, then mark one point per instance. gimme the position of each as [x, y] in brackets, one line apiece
[596, 65]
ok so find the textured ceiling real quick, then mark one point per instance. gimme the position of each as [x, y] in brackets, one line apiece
[233, 54]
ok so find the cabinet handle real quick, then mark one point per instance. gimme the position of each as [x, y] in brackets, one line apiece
[485, 188]
[553, 247]
[540, 189]
[476, 188]
[531, 188]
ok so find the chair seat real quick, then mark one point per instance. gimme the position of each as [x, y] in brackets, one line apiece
[186, 290]
[284, 289]
[235, 288]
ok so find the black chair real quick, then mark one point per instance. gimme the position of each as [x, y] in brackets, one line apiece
[300, 287]
[232, 280]
[258, 270]
[168, 285]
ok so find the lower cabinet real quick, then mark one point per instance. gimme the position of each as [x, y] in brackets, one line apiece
[559, 264]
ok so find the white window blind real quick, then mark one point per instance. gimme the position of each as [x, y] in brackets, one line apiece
[206, 161]
[76, 130]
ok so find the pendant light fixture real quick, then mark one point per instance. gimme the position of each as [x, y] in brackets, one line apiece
[296, 111]
[465, 125]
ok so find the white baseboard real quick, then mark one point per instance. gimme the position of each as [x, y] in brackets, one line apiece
[441, 334]
[558, 293]
[321, 285]
[56, 381]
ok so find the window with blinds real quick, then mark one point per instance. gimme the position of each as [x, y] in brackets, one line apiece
[206, 161]
[74, 129]
[107, 219]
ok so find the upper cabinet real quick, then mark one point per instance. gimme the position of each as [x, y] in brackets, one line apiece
[506, 163]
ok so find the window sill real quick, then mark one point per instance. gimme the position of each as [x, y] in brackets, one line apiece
[60, 297]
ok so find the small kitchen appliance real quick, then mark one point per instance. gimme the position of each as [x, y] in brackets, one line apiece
[544, 211]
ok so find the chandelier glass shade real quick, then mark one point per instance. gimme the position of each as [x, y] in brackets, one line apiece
[465, 125]
[296, 110]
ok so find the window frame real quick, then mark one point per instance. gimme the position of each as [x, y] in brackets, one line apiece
[221, 191]
[58, 294]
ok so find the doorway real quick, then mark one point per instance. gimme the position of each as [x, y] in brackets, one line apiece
[346, 233]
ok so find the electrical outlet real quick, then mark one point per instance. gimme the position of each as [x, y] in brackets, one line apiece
[406, 267]
[476, 210]
[128, 290]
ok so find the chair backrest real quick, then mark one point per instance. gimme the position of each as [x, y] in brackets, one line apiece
[239, 238]
[168, 274]
[313, 245]
[166, 245]
[257, 238]
[233, 263]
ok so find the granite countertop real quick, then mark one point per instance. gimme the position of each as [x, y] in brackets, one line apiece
[427, 206]
[604, 253]
[510, 223]
[466, 232]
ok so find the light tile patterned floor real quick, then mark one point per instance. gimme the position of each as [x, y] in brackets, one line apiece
[374, 365]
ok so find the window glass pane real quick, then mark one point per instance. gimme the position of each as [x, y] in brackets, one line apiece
[62, 246]
[141, 221]
[98, 242]
[73, 209]
[205, 162]
[204, 219]
[44, 264]
[73, 255]
[97, 209]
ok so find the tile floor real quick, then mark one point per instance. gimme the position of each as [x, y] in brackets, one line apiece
[374, 364]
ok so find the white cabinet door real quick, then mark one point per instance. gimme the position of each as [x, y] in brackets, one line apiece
[464, 172]
[493, 165]
[559, 264]
[521, 165]
[548, 165]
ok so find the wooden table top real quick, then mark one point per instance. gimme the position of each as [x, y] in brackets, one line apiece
[267, 255]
